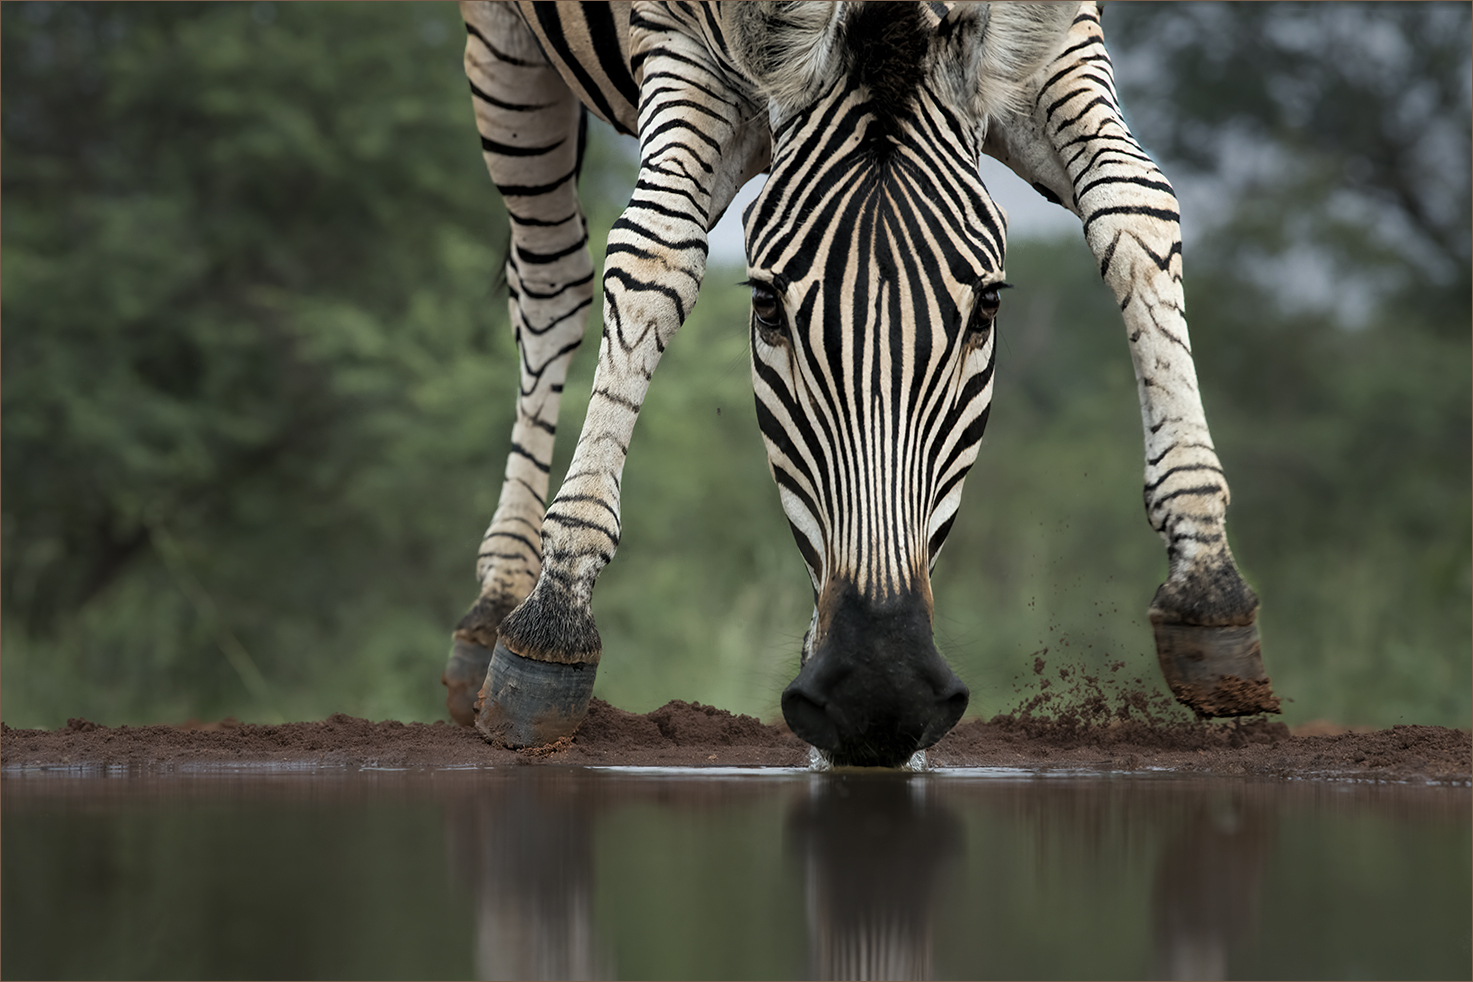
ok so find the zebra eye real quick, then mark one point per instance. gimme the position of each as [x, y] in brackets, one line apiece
[985, 310]
[766, 308]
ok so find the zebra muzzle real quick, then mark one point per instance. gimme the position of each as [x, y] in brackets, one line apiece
[875, 689]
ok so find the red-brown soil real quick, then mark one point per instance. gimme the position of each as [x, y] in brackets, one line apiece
[691, 735]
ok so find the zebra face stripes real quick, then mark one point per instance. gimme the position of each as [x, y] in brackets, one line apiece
[875, 287]
[875, 256]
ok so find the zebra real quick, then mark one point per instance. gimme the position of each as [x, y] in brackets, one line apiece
[876, 270]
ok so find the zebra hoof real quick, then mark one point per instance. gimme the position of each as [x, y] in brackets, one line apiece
[527, 703]
[1214, 671]
[463, 675]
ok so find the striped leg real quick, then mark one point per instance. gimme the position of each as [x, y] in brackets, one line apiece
[530, 132]
[541, 674]
[1076, 145]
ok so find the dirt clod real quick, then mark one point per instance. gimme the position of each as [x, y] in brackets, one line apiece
[554, 748]
[1231, 696]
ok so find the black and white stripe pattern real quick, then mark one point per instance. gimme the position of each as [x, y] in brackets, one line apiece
[531, 128]
[1075, 147]
[875, 256]
[873, 394]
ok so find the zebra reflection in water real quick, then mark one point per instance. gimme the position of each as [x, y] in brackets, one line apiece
[527, 847]
[871, 918]
[863, 875]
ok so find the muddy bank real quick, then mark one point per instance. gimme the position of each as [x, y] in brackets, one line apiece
[691, 735]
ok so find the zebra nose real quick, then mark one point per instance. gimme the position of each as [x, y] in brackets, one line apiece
[866, 716]
[875, 690]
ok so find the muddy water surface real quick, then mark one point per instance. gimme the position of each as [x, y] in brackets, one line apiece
[567, 872]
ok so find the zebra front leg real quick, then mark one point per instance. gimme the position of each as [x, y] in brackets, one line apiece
[542, 670]
[541, 674]
[530, 126]
[1076, 144]
[1204, 616]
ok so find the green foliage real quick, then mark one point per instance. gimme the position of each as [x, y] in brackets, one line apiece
[258, 387]
[1329, 125]
[208, 342]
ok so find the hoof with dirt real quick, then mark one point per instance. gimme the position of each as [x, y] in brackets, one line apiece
[1217, 670]
[463, 677]
[529, 703]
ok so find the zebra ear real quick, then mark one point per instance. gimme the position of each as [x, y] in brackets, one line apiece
[784, 47]
[992, 49]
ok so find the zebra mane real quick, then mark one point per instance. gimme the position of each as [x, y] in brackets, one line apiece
[886, 47]
[996, 47]
[982, 52]
[784, 47]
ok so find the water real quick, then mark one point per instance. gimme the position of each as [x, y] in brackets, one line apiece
[562, 872]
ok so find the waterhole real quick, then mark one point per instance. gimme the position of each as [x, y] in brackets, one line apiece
[575, 872]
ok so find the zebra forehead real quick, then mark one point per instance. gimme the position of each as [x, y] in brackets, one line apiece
[886, 45]
[918, 247]
[927, 219]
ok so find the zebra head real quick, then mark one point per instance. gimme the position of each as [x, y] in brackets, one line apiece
[875, 258]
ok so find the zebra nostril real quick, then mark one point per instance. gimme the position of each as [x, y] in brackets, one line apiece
[808, 717]
[946, 713]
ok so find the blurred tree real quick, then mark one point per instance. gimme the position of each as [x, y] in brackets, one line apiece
[1330, 131]
[248, 253]
[182, 183]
